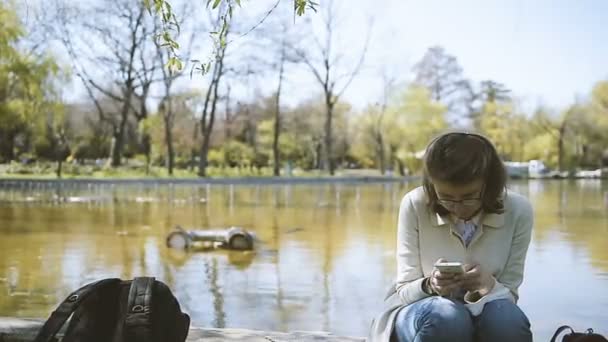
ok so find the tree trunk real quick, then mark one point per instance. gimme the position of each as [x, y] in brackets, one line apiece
[228, 122]
[202, 167]
[401, 167]
[167, 112]
[117, 149]
[119, 132]
[380, 151]
[328, 133]
[193, 150]
[59, 165]
[148, 162]
[169, 141]
[202, 163]
[277, 121]
[147, 149]
[560, 146]
[207, 129]
[319, 156]
[7, 147]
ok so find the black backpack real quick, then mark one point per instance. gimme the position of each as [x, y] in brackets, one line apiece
[114, 310]
[588, 336]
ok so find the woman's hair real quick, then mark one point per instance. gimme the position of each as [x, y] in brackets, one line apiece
[460, 158]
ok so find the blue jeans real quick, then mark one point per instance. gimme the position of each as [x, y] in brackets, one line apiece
[437, 319]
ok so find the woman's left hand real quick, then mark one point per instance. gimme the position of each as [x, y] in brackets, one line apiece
[476, 279]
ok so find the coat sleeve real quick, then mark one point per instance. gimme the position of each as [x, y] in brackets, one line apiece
[513, 273]
[409, 270]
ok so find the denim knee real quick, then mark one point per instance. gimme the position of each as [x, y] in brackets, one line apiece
[434, 319]
[502, 320]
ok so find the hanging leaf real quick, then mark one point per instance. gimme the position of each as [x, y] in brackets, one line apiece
[147, 5]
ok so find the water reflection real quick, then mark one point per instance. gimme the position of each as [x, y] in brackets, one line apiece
[323, 261]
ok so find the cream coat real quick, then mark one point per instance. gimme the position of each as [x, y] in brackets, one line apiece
[499, 245]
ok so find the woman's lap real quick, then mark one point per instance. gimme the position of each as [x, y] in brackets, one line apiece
[436, 319]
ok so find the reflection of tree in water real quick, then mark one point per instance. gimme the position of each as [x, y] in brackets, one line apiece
[327, 256]
[326, 270]
[277, 263]
[573, 212]
[219, 320]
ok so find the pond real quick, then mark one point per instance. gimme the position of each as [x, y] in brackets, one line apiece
[324, 259]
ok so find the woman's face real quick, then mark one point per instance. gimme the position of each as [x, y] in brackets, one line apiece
[464, 201]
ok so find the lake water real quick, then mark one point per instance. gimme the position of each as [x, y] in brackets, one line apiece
[323, 262]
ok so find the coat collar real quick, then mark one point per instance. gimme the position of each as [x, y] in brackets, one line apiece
[490, 220]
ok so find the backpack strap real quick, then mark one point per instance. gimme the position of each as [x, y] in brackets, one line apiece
[560, 330]
[138, 321]
[58, 317]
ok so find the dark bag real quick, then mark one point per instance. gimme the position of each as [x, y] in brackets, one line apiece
[114, 310]
[573, 336]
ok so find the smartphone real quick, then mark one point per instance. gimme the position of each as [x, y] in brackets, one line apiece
[449, 267]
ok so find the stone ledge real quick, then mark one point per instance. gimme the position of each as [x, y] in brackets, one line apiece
[24, 330]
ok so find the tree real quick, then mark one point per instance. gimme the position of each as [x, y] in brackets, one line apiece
[53, 135]
[490, 92]
[211, 98]
[441, 73]
[26, 86]
[493, 123]
[277, 115]
[493, 92]
[387, 89]
[369, 142]
[567, 129]
[122, 70]
[168, 77]
[279, 43]
[412, 121]
[184, 106]
[599, 113]
[324, 62]
[372, 126]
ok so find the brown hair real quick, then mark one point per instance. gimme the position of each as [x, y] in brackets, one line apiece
[460, 158]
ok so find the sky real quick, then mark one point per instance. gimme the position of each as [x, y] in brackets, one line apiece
[546, 51]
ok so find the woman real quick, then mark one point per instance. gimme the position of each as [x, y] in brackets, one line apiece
[462, 213]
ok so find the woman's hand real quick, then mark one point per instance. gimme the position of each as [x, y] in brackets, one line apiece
[476, 279]
[443, 284]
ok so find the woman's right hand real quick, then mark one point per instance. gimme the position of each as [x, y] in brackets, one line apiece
[443, 284]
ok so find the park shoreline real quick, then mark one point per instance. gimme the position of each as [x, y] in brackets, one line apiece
[10, 181]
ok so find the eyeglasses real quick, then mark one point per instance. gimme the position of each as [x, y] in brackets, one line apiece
[467, 202]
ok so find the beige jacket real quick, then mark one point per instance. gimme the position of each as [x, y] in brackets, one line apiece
[499, 245]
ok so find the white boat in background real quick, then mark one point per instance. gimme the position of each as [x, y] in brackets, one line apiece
[536, 169]
[517, 169]
[529, 169]
[588, 174]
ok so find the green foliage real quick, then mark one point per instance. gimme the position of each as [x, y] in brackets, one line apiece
[542, 147]
[238, 154]
[27, 94]
[413, 121]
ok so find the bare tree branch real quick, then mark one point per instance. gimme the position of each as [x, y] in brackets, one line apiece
[105, 92]
[357, 67]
